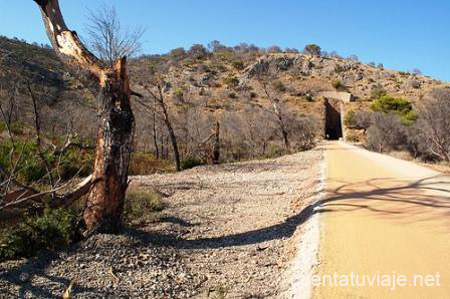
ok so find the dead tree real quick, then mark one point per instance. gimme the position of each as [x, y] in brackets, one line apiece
[105, 200]
[157, 95]
[277, 111]
[107, 38]
[215, 152]
[155, 135]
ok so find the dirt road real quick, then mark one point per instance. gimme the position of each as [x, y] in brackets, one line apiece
[383, 216]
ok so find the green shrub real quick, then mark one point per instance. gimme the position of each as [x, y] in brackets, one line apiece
[191, 162]
[32, 168]
[337, 84]
[400, 106]
[274, 150]
[308, 98]
[141, 206]
[225, 56]
[54, 229]
[350, 119]
[76, 162]
[17, 128]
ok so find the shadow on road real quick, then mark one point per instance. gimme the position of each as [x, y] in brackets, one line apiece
[399, 199]
[409, 198]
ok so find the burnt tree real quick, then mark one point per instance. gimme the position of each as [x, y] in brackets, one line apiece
[155, 90]
[278, 114]
[115, 135]
[215, 151]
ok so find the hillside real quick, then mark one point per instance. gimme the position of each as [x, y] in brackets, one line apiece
[202, 87]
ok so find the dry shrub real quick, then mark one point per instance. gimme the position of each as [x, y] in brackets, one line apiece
[146, 164]
[141, 206]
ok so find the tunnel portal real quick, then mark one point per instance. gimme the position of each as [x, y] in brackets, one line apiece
[333, 120]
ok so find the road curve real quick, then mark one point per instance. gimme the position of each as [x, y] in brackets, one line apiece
[382, 216]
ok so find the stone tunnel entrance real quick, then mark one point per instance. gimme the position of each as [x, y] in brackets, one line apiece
[333, 119]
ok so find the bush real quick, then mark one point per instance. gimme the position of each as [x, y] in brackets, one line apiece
[313, 50]
[433, 126]
[274, 150]
[390, 104]
[146, 164]
[191, 162]
[303, 131]
[232, 95]
[387, 133]
[253, 95]
[337, 84]
[141, 206]
[339, 69]
[31, 168]
[231, 81]
[279, 86]
[17, 128]
[377, 93]
[178, 94]
[52, 230]
[350, 119]
[76, 162]
[401, 107]
[198, 52]
[415, 84]
[352, 136]
[238, 64]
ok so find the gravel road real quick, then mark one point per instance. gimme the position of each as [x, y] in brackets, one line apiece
[228, 232]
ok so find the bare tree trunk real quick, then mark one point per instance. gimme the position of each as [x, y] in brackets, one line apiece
[115, 135]
[166, 148]
[104, 206]
[155, 136]
[37, 126]
[277, 111]
[215, 157]
[173, 140]
[284, 133]
[159, 98]
[173, 137]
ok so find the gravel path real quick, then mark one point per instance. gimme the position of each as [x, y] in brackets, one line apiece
[227, 232]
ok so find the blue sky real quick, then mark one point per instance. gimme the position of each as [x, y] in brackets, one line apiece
[401, 34]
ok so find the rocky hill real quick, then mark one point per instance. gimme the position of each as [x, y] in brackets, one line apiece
[235, 86]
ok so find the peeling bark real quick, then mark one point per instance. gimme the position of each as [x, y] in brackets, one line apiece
[115, 135]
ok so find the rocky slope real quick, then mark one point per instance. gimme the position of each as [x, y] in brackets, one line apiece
[218, 82]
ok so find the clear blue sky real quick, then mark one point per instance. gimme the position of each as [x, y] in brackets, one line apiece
[402, 34]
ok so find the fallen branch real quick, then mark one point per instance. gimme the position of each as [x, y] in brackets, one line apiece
[59, 200]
